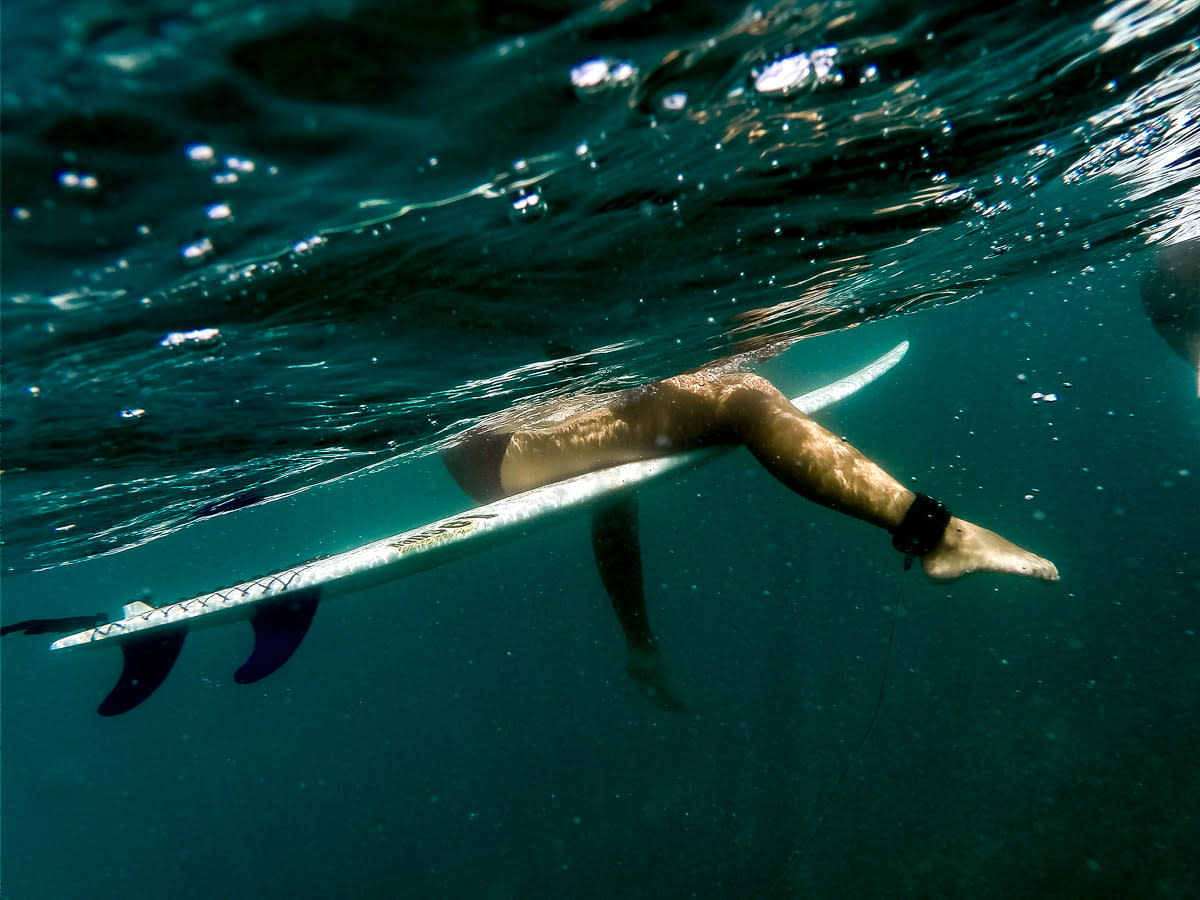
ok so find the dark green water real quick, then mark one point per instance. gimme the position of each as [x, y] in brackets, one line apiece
[469, 732]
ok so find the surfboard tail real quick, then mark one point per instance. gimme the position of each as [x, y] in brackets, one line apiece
[279, 628]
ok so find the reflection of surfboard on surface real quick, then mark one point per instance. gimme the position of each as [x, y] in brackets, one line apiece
[281, 606]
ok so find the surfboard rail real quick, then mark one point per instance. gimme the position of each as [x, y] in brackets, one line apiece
[280, 606]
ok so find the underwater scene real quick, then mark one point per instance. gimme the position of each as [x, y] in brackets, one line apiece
[262, 263]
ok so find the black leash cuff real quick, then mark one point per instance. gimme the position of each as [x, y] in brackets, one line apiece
[922, 528]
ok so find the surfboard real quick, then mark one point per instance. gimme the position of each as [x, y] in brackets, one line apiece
[281, 606]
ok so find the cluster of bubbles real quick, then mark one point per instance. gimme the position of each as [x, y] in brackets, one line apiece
[598, 76]
[798, 72]
[601, 77]
[78, 181]
[193, 337]
[227, 171]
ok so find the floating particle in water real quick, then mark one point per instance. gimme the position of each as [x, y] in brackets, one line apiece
[132, 413]
[528, 206]
[600, 75]
[21, 214]
[196, 336]
[219, 212]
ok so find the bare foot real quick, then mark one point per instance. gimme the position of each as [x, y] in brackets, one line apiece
[967, 548]
[648, 670]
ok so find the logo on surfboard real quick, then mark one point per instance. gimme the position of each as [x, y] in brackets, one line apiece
[434, 534]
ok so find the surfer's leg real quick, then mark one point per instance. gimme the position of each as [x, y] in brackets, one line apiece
[475, 464]
[820, 466]
[707, 408]
[619, 559]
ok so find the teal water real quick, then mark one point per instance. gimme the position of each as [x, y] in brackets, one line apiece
[469, 731]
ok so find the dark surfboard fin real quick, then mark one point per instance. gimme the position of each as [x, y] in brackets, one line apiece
[618, 555]
[279, 627]
[147, 661]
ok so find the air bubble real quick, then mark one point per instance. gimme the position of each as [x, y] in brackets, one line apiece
[196, 336]
[301, 248]
[823, 61]
[200, 153]
[528, 206]
[599, 75]
[197, 250]
[78, 181]
[785, 76]
[674, 102]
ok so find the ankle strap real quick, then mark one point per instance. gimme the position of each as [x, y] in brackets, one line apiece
[921, 529]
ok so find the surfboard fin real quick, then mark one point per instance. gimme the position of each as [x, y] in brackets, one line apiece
[147, 661]
[279, 627]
